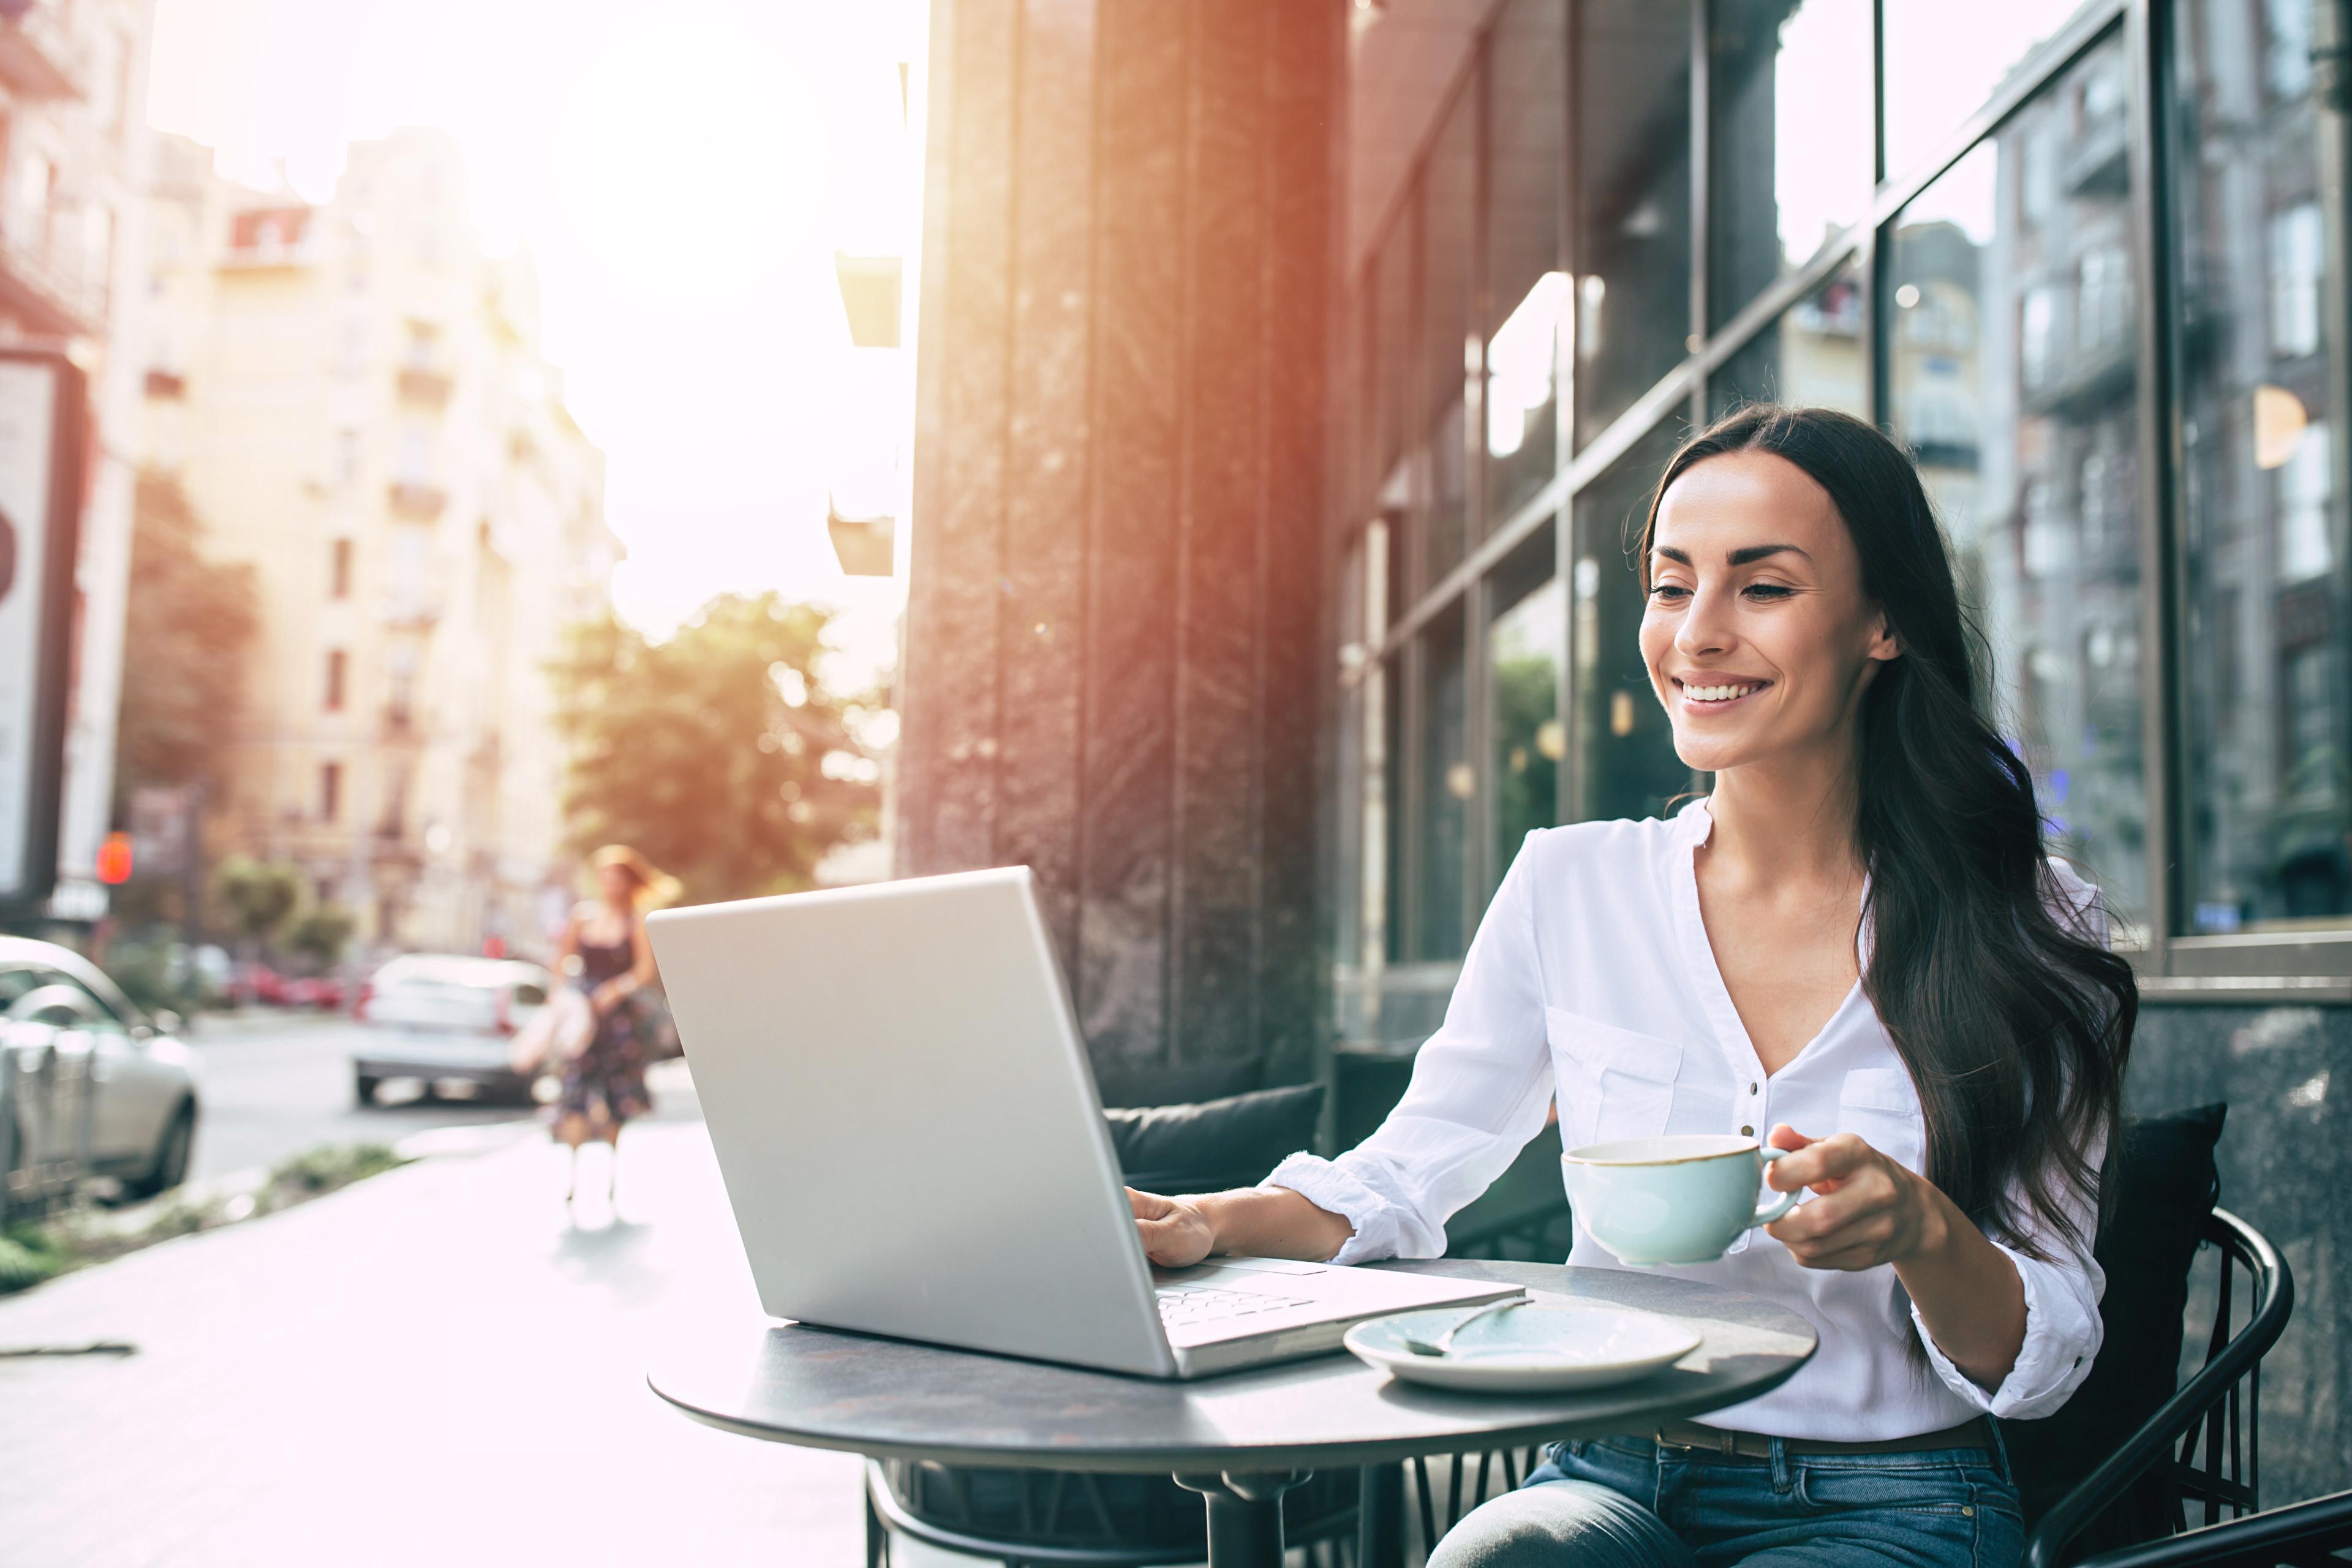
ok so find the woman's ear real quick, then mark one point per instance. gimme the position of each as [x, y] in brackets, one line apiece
[1882, 644]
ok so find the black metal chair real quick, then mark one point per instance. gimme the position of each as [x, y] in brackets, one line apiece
[2202, 1445]
[2302, 1535]
[1063, 1519]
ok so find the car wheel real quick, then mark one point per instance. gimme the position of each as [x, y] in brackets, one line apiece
[170, 1166]
[363, 1088]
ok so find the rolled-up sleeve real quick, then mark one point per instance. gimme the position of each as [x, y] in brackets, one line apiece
[2062, 1334]
[2063, 1287]
[1480, 1088]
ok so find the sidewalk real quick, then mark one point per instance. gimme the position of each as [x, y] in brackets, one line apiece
[430, 1367]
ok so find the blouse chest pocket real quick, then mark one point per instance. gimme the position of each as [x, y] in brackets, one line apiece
[1880, 1106]
[1613, 1083]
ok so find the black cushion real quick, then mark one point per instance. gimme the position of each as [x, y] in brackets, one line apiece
[2164, 1182]
[1177, 1083]
[1216, 1143]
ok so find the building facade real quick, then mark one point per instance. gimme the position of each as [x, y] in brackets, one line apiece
[354, 400]
[73, 144]
[2087, 260]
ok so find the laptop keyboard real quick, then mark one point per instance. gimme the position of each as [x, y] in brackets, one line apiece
[1187, 1305]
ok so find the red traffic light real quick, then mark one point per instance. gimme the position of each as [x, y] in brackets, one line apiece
[114, 859]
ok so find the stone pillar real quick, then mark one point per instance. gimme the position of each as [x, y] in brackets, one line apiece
[1110, 666]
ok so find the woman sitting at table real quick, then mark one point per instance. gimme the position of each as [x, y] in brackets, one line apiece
[1857, 943]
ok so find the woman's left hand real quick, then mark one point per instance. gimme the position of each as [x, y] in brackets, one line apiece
[1868, 1209]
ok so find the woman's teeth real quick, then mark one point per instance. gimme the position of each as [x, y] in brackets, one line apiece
[1719, 693]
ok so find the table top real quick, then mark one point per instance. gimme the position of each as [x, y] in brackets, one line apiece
[892, 1399]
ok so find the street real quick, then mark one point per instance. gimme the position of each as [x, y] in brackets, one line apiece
[275, 1084]
[438, 1364]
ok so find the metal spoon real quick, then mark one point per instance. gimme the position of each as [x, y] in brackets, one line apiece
[1445, 1341]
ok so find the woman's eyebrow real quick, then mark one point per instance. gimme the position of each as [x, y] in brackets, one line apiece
[1739, 557]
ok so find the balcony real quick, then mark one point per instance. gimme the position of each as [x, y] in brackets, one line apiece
[263, 239]
[412, 611]
[46, 279]
[418, 502]
[36, 59]
[423, 385]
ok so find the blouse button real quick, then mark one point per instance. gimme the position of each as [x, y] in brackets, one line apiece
[1751, 1089]
[1747, 1132]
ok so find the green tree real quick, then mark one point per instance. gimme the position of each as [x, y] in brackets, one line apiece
[719, 753]
[191, 623]
[321, 933]
[259, 895]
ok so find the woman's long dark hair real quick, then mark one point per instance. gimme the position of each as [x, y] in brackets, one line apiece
[2015, 1024]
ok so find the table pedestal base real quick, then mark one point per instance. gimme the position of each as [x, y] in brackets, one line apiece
[1244, 1515]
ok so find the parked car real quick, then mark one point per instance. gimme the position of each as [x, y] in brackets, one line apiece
[256, 984]
[443, 1017]
[63, 1022]
[324, 991]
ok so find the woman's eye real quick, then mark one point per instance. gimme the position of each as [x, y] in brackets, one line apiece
[1768, 591]
[1671, 593]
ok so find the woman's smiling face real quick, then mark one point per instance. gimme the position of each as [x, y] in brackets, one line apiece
[1757, 636]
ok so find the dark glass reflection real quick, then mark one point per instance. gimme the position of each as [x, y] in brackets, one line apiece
[1527, 648]
[1448, 783]
[1449, 239]
[1624, 757]
[1527, 288]
[1633, 270]
[1389, 809]
[1814, 355]
[2012, 355]
[1788, 138]
[1390, 383]
[2266, 557]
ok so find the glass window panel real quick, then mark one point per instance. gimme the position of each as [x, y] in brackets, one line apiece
[1944, 60]
[1448, 781]
[2265, 551]
[1624, 761]
[1789, 137]
[1633, 287]
[1526, 652]
[2014, 380]
[1814, 355]
[1527, 290]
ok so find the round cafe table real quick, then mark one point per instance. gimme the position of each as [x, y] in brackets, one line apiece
[1240, 1439]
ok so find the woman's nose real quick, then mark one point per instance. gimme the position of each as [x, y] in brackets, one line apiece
[1705, 626]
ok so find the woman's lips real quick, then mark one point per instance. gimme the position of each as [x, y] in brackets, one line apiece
[1717, 695]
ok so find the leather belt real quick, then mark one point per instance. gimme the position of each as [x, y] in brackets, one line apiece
[1716, 1441]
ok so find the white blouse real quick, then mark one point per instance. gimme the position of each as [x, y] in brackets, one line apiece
[1591, 971]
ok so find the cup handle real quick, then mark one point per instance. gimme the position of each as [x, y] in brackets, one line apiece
[1767, 1214]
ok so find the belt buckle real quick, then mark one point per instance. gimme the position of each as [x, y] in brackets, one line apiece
[1726, 1444]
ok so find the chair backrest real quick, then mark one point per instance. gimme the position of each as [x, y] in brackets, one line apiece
[2201, 1443]
[2161, 1184]
[1215, 1144]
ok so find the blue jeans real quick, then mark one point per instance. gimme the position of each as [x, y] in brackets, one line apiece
[1626, 1502]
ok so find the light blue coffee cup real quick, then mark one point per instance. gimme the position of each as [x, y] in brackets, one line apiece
[1681, 1198]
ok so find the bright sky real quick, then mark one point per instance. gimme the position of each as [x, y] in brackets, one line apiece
[682, 175]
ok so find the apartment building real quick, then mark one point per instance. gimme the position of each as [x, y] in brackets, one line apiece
[354, 399]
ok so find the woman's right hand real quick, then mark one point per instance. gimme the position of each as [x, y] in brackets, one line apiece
[1176, 1234]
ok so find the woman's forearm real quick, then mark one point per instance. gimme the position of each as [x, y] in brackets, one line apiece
[1969, 1294]
[1273, 1222]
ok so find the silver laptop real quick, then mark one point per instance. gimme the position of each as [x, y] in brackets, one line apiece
[911, 1142]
